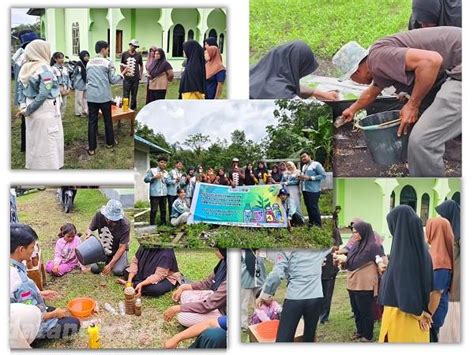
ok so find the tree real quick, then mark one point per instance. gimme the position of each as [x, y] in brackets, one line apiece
[197, 142]
[142, 130]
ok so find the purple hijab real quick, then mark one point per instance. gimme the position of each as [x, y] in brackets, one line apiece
[365, 250]
[158, 67]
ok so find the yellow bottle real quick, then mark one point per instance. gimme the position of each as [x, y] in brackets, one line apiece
[125, 104]
[94, 336]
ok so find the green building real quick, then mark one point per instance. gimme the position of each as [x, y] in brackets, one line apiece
[372, 199]
[70, 30]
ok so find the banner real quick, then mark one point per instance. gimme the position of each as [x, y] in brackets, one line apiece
[243, 206]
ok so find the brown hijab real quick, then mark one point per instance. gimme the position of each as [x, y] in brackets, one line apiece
[214, 65]
[440, 237]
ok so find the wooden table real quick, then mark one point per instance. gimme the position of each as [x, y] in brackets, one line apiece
[38, 273]
[118, 115]
[255, 338]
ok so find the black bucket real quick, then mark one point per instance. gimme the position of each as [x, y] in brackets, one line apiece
[90, 251]
[384, 145]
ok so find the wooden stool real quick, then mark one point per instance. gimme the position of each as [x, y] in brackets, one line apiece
[38, 273]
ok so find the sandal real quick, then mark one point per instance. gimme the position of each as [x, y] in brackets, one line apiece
[356, 336]
[90, 152]
[108, 146]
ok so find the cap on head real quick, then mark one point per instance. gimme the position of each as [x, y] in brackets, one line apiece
[348, 58]
[134, 42]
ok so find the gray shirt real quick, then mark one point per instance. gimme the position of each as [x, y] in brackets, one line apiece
[386, 59]
[100, 76]
[302, 269]
[252, 281]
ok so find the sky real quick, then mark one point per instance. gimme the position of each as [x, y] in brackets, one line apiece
[19, 17]
[177, 119]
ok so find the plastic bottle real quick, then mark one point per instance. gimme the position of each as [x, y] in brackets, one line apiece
[93, 331]
[138, 307]
[378, 259]
[125, 104]
[110, 309]
[122, 308]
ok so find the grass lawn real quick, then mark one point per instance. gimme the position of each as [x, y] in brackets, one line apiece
[325, 25]
[43, 213]
[340, 327]
[75, 136]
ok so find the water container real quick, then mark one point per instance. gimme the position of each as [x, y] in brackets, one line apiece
[383, 143]
[90, 251]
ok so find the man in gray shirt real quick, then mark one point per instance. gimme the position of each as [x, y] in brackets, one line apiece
[100, 76]
[413, 62]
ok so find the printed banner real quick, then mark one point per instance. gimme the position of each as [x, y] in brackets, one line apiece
[243, 206]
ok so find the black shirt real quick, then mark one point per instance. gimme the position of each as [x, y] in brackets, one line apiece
[134, 62]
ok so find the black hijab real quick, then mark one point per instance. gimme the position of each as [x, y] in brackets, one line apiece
[250, 260]
[407, 283]
[439, 12]
[82, 64]
[277, 75]
[365, 250]
[248, 177]
[194, 75]
[450, 210]
[278, 175]
[159, 66]
[150, 259]
[220, 271]
[211, 41]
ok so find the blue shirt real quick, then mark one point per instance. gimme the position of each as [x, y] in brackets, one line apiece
[316, 173]
[222, 320]
[441, 282]
[100, 76]
[211, 84]
[157, 186]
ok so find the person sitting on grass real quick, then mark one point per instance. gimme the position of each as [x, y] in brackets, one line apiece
[201, 300]
[211, 334]
[114, 235]
[295, 218]
[180, 211]
[55, 323]
[268, 309]
[153, 272]
[65, 259]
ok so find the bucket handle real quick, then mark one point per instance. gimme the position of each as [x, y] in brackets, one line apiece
[391, 123]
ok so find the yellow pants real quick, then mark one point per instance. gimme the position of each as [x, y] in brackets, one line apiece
[193, 95]
[400, 327]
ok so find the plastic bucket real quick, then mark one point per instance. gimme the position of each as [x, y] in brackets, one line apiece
[90, 251]
[268, 330]
[383, 143]
[81, 307]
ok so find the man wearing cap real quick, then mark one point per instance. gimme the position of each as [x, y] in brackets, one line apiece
[236, 174]
[417, 62]
[132, 60]
[295, 218]
[114, 234]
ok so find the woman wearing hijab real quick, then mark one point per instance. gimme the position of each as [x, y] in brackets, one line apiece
[221, 178]
[292, 183]
[148, 65]
[210, 42]
[261, 173]
[79, 80]
[215, 73]
[407, 283]
[203, 299]
[252, 277]
[362, 279]
[40, 104]
[277, 75]
[160, 74]
[192, 85]
[433, 13]
[439, 236]
[250, 178]
[450, 332]
[275, 176]
[153, 272]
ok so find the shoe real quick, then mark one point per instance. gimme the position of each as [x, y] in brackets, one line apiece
[90, 152]
[356, 336]
[364, 340]
[108, 146]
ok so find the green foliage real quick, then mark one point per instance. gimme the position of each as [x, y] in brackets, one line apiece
[325, 25]
[142, 204]
[301, 126]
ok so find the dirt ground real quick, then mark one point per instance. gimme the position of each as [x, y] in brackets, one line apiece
[352, 158]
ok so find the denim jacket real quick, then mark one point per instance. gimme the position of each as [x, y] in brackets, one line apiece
[157, 186]
[316, 173]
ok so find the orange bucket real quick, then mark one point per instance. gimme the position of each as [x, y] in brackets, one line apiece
[268, 330]
[81, 307]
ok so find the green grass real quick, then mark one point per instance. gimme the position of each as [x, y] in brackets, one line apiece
[340, 327]
[41, 211]
[325, 25]
[75, 136]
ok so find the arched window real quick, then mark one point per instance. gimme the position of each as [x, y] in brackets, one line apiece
[457, 197]
[212, 33]
[221, 42]
[76, 45]
[408, 197]
[392, 200]
[425, 208]
[190, 34]
[178, 40]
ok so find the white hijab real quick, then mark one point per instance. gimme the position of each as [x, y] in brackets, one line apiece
[293, 171]
[37, 54]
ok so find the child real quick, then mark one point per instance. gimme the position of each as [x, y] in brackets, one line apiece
[64, 253]
[295, 218]
[65, 85]
[269, 309]
[79, 78]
